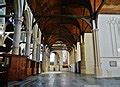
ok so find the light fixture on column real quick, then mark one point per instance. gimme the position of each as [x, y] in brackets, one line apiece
[1, 37]
[1, 31]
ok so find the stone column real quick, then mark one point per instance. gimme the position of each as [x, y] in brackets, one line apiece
[34, 52]
[73, 58]
[46, 57]
[73, 55]
[43, 59]
[38, 53]
[18, 4]
[28, 43]
[97, 65]
[78, 52]
[68, 54]
[39, 46]
[70, 60]
[55, 59]
[83, 61]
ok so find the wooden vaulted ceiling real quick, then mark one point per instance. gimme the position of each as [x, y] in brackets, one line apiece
[64, 20]
[111, 6]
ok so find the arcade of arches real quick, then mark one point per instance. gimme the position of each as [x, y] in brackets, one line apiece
[39, 36]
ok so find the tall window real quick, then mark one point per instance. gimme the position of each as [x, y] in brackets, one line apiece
[65, 57]
[52, 58]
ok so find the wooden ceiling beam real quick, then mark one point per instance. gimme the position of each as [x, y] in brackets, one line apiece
[60, 47]
[68, 16]
[70, 34]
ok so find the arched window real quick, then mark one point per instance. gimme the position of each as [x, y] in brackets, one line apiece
[52, 58]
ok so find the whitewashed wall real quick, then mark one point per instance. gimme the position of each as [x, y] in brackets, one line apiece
[109, 43]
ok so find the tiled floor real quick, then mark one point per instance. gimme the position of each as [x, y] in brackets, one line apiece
[65, 79]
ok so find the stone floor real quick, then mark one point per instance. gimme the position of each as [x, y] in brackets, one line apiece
[65, 79]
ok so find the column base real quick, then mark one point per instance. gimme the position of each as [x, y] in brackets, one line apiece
[98, 72]
[83, 70]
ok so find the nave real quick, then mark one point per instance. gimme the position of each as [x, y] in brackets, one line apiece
[65, 79]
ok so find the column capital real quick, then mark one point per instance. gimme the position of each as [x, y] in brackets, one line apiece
[82, 43]
[20, 19]
[94, 30]
[28, 31]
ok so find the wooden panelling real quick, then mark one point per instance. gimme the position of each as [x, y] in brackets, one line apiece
[20, 67]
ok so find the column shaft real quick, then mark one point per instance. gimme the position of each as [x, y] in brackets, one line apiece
[28, 43]
[18, 4]
[39, 46]
[96, 51]
[43, 59]
[38, 52]
[83, 61]
[34, 52]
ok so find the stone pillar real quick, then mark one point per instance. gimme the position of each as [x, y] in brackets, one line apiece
[18, 4]
[55, 59]
[73, 55]
[39, 46]
[72, 59]
[46, 59]
[75, 58]
[38, 53]
[68, 54]
[60, 55]
[43, 56]
[78, 52]
[97, 65]
[83, 61]
[34, 52]
[57, 62]
[28, 43]
[43, 59]
[69, 60]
